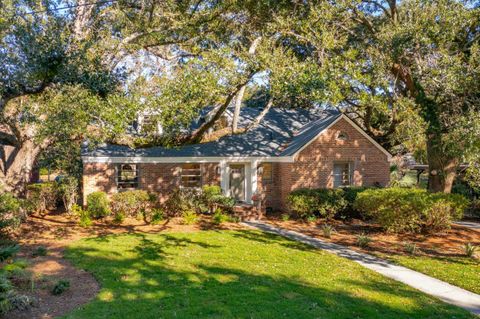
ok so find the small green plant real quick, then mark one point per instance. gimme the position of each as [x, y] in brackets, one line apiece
[119, 217]
[60, 287]
[470, 250]
[85, 220]
[410, 248]
[8, 251]
[40, 251]
[363, 241]
[157, 216]
[285, 217]
[189, 217]
[311, 218]
[98, 205]
[327, 230]
[219, 217]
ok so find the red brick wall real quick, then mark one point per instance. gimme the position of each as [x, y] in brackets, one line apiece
[98, 177]
[158, 178]
[313, 166]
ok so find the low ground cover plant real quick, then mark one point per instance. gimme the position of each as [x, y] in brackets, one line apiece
[60, 287]
[410, 210]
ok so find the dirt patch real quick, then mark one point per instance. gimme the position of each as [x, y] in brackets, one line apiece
[55, 232]
[448, 244]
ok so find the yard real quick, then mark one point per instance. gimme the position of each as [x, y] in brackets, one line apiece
[237, 274]
[438, 255]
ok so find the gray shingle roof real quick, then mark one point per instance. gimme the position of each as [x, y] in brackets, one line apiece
[281, 133]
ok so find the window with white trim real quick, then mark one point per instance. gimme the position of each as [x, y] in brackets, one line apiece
[191, 175]
[342, 174]
[127, 176]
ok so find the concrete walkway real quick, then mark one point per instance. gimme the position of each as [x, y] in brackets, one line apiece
[437, 288]
[472, 225]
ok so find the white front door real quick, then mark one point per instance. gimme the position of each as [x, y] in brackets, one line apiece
[237, 182]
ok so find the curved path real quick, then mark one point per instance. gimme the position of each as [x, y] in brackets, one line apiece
[429, 285]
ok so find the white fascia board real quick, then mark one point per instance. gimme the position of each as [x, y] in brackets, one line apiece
[359, 129]
[202, 159]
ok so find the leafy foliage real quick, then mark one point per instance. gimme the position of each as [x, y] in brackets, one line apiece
[324, 202]
[60, 287]
[10, 212]
[403, 210]
[68, 190]
[98, 205]
[43, 196]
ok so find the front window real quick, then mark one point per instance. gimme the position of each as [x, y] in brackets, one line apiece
[127, 176]
[191, 176]
[342, 175]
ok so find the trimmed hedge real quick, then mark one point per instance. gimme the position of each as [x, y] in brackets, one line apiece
[323, 202]
[409, 209]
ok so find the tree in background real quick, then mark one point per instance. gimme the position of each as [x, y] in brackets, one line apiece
[408, 72]
[54, 85]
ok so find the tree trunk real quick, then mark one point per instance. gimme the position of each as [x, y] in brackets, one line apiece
[260, 117]
[241, 92]
[442, 170]
[16, 166]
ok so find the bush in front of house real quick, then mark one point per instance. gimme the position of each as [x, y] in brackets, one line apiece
[134, 203]
[67, 190]
[98, 205]
[180, 200]
[409, 209]
[42, 196]
[311, 202]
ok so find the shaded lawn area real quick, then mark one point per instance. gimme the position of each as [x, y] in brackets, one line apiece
[238, 274]
[459, 271]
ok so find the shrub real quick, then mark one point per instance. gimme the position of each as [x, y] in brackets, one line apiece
[470, 250]
[43, 196]
[311, 219]
[285, 217]
[10, 212]
[402, 209]
[363, 241]
[131, 203]
[60, 287]
[220, 218]
[157, 216]
[189, 217]
[68, 190]
[327, 230]
[98, 205]
[309, 202]
[181, 200]
[410, 248]
[213, 198]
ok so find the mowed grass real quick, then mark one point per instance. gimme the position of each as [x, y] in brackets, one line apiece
[238, 274]
[459, 271]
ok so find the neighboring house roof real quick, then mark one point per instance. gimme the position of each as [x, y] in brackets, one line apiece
[282, 132]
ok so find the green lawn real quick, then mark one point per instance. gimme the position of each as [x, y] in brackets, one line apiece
[238, 274]
[459, 271]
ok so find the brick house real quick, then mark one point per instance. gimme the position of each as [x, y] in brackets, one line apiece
[290, 149]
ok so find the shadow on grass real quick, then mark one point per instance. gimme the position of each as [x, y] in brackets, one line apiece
[166, 276]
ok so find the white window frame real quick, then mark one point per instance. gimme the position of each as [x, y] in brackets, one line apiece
[199, 175]
[135, 181]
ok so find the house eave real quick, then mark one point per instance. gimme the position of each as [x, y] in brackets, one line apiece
[189, 159]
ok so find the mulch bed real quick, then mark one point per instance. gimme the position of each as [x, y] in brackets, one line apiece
[447, 244]
[55, 232]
